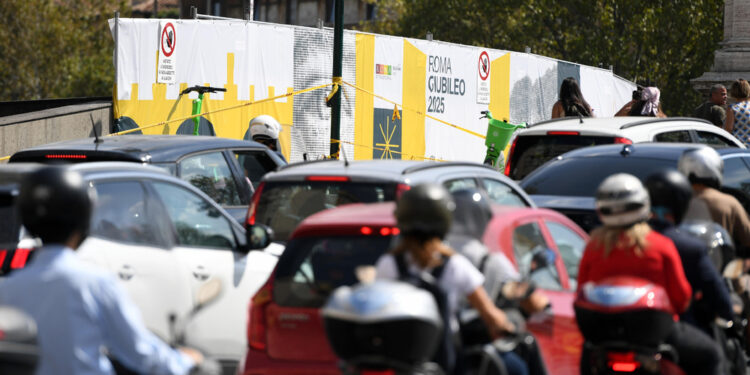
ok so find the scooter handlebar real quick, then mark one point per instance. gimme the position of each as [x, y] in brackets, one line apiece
[202, 89]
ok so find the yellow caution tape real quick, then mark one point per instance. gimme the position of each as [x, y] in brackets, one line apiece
[336, 82]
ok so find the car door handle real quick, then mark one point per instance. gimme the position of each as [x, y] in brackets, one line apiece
[126, 272]
[200, 273]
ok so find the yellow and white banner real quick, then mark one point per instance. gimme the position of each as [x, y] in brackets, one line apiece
[402, 98]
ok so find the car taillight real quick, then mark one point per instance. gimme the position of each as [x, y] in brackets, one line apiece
[622, 362]
[510, 155]
[558, 132]
[328, 178]
[65, 156]
[623, 140]
[256, 329]
[366, 231]
[19, 258]
[254, 204]
[3, 253]
[383, 231]
[400, 189]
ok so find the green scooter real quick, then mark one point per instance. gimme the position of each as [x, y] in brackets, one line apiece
[198, 103]
[498, 136]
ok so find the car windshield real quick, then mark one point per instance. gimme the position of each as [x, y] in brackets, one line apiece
[580, 177]
[311, 268]
[283, 205]
[532, 151]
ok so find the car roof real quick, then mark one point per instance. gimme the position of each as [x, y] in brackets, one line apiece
[346, 217]
[12, 173]
[659, 150]
[395, 170]
[154, 148]
[613, 126]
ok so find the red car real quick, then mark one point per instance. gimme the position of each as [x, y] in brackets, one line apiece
[285, 330]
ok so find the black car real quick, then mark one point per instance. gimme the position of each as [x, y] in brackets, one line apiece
[568, 183]
[227, 170]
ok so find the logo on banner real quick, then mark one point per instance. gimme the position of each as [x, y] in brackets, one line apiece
[483, 81]
[386, 137]
[384, 71]
[166, 69]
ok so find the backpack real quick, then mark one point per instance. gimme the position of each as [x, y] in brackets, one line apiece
[445, 355]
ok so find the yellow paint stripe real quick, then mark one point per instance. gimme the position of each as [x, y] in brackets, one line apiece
[364, 104]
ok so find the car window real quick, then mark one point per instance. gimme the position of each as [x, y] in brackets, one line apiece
[122, 214]
[310, 268]
[211, 173]
[681, 136]
[580, 177]
[570, 245]
[501, 193]
[10, 225]
[255, 164]
[283, 205]
[459, 184]
[713, 139]
[197, 223]
[736, 180]
[530, 152]
[531, 251]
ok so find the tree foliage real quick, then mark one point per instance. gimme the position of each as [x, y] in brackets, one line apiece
[56, 48]
[658, 42]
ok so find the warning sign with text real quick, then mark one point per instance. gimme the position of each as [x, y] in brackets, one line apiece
[166, 68]
[483, 78]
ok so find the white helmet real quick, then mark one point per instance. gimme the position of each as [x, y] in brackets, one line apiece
[265, 126]
[621, 201]
[702, 166]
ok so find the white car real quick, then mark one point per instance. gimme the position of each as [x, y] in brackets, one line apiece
[545, 140]
[163, 238]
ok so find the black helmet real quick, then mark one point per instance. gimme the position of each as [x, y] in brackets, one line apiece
[472, 214]
[54, 202]
[669, 189]
[426, 210]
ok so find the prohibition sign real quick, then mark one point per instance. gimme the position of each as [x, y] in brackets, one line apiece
[168, 39]
[484, 65]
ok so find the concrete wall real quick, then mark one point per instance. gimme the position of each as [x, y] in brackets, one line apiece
[51, 125]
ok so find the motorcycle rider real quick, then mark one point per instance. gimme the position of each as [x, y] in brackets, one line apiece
[626, 246]
[704, 169]
[470, 219]
[670, 193]
[79, 310]
[424, 215]
[265, 129]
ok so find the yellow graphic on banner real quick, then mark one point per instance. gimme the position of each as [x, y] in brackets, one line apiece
[229, 124]
[387, 145]
[500, 89]
[364, 103]
[413, 123]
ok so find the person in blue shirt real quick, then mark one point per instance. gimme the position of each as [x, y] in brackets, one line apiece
[82, 314]
[670, 194]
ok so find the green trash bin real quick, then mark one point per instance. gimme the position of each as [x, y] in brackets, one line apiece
[498, 136]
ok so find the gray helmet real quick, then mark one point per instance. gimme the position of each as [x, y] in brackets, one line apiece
[621, 201]
[425, 210]
[702, 166]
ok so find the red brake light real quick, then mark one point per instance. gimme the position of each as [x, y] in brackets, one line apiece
[366, 231]
[385, 231]
[622, 362]
[65, 156]
[3, 253]
[254, 204]
[400, 189]
[395, 231]
[327, 178]
[623, 140]
[19, 258]
[256, 328]
[510, 155]
[563, 133]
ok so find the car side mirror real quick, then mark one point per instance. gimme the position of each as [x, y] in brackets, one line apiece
[259, 236]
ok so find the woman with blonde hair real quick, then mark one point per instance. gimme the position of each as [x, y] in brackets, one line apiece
[738, 116]
[625, 245]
